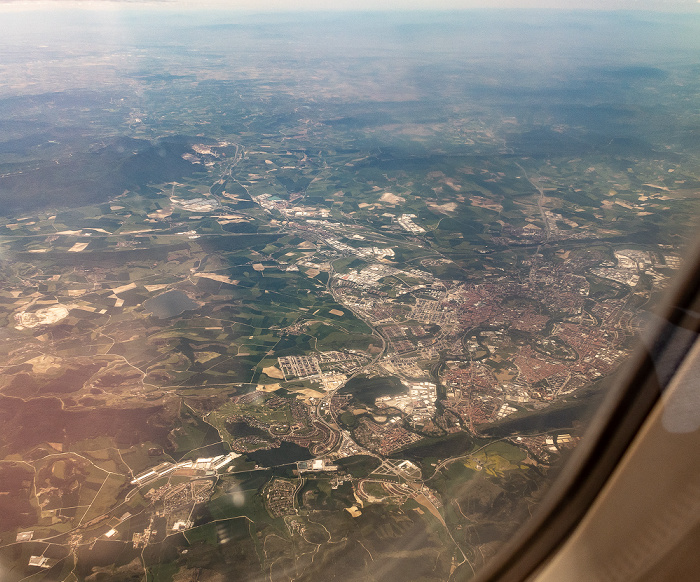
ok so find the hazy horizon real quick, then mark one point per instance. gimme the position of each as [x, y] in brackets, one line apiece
[358, 5]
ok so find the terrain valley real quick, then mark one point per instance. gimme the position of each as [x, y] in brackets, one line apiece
[312, 297]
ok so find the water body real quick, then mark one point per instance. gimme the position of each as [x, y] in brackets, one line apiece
[170, 304]
[367, 390]
[242, 429]
[284, 454]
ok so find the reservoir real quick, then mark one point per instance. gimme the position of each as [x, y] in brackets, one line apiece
[169, 304]
[286, 453]
[367, 390]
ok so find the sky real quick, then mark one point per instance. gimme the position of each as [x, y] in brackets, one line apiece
[363, 5]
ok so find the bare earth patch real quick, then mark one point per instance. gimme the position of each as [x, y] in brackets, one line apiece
[354, 511]
[444, 208]
[45, 316]
[122, 288]
[78, 247]
[273, 372]
[204, 357]
[391, 198]
[43, 364]
[452, 184]
[161, 213]
[268, 387]
[487, 203]
[306, 393]
[219, 278]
